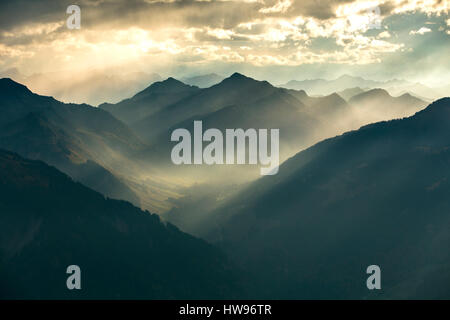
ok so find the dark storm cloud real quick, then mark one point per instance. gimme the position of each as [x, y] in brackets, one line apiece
[126, 13]
[22, 12]
[320, 9]
[153, 14]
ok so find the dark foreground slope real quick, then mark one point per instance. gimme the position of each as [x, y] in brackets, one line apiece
[48, 222]
[379, 195]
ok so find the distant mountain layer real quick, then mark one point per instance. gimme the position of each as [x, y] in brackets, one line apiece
[378, 195]
[204, 81]
[395, 87]
[48, 222]
[378, 105]
[322, 86]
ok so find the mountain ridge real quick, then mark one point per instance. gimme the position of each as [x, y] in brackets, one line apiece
[152, 99]
[66, 136]
[354, 200]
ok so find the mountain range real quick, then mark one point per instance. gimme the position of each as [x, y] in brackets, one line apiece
[377, 195]
[132, 148]
[150, 100]
[81, 140]
[366, 181]
[395, 87]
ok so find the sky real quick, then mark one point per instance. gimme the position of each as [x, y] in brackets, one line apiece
[275, 40]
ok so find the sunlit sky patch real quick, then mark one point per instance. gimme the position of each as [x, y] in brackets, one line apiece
[277, 40]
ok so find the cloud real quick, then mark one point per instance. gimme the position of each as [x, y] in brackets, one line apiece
[421, 31]
[184, 33]
[280, 6]
[427, 6]
[384, 34]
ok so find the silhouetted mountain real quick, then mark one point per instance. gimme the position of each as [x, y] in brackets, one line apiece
[278, 110]
[204, 81]
[376, 93]
[326, 87]
[235, 89]
[48, 222]
[334, 113]
[18, 100]
[320, 106]
[378, 104]
[66, 136]
[300, 125]
[326, 106]
[150, 100]
[302, 120]
[378, 195]
[418, 90]
[349, 93]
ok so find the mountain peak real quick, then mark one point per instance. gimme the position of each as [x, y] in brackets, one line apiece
[166, 86]
[7, 85]
[170, 80]
[238, 75]
[239, 80]
[374, 93]
[336, 99]
[378, 91]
